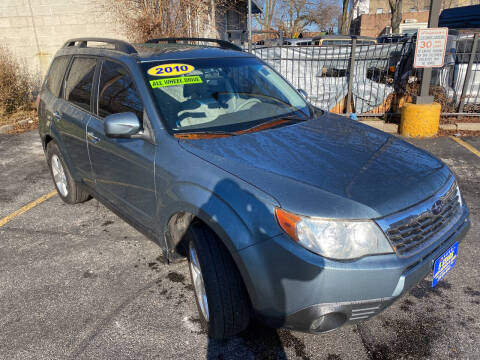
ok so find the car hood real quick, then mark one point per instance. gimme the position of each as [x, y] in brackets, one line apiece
[330, 166]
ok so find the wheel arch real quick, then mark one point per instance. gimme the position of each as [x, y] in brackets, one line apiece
[206, 207]
[179, 221]
[177, 245]
[53, 137]
[45, 140]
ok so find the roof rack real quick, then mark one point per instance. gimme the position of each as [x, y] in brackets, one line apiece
[223, 43]
[119, 45]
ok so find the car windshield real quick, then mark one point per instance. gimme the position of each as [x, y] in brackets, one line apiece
[226, 95]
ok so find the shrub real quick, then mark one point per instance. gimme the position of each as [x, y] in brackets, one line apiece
[16, 84]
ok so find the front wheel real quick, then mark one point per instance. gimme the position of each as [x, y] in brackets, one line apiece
[220, 294]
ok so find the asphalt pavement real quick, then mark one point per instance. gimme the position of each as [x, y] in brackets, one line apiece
[78, 282]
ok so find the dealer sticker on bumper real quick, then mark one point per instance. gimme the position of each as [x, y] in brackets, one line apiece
[444, 264]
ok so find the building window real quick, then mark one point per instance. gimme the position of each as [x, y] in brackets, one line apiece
[379, 11]
[412, 9]
[233, 20]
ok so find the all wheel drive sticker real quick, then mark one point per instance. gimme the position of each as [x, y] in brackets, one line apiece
[173, 70]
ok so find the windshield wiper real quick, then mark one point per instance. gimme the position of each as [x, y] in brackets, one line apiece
[222, 134]
[203, 135]
[268, 124]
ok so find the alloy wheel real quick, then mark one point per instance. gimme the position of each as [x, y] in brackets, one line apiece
[59, 175]
[198, 283]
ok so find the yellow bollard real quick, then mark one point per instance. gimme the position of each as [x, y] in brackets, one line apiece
[420, 120]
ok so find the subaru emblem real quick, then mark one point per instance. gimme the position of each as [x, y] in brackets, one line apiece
[437, 207]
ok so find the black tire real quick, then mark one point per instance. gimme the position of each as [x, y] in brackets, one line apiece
[75, 193]
[228, 302]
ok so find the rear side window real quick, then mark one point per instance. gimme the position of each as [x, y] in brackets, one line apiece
[55, 75]
[117, 92]
[78, 87]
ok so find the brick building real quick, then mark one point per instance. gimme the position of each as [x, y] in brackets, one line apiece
[376, 21]
[378, 24]
[381, 6]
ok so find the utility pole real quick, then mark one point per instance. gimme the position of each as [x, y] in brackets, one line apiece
[249, 25]
[424, 97]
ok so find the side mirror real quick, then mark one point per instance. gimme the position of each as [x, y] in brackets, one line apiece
[303, 93]
[121, 125]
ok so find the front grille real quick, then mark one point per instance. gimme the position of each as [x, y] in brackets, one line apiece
[416, 231]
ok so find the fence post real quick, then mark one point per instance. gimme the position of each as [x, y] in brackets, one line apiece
[351, 73]
[249, 26]
[425, 97]
[468, 74]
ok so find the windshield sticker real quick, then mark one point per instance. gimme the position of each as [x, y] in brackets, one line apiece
[176, 81]
[170, 69]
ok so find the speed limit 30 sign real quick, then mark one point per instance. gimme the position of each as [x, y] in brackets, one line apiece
[430, 49]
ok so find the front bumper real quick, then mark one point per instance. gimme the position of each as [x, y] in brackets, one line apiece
[294, 288]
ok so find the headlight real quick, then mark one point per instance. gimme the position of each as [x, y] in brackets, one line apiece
[459, 196]
[336, 239]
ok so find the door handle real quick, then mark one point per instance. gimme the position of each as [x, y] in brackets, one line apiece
[94, 139]
[57, 116]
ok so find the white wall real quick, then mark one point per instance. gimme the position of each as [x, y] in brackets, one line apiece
[35, 29]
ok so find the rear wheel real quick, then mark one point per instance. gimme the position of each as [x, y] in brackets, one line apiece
[220, 294]
[67, 188]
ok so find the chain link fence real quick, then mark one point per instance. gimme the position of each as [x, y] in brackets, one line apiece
[375, 79]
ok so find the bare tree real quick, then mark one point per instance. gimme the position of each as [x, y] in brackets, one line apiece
[296, 15]
[293, 16]
[267, 17]
[350, 15]
[325, 15]
[347, 15]
[396, 10]
[343, 27]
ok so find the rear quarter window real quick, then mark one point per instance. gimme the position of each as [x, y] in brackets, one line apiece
[78, 86]
[55, 75]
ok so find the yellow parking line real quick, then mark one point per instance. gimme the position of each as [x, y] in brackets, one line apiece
[27, 207]
[466, 145]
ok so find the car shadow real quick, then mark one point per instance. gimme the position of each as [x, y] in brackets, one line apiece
[258, 340]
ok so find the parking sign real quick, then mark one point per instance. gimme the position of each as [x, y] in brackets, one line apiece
[430, 48]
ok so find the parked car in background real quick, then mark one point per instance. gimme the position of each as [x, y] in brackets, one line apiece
[298, 217]
[297, 42]
[338, 40]
[267, 42]
[389, 39]
[452, 75]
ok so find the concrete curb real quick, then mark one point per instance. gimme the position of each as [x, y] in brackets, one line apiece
[393, 128]
[382, 125]
[461, 126]
[448, 127]
[4, 129]
[468, 126]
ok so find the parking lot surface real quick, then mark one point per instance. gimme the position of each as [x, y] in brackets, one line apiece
[78, 282]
